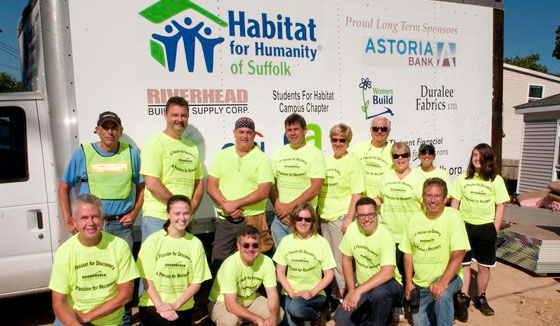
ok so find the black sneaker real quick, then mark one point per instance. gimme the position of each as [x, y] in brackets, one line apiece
[462, 302]
[481, 304]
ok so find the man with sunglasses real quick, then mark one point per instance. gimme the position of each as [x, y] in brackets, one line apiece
[239, 183]
[434, 244]
[233, 297]
[299, 171]
[375, 154]
[427, 154]
[107, 169]
[377, 286]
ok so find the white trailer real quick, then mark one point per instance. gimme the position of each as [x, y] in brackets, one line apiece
[432, 67]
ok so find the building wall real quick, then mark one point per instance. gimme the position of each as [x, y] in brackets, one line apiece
[516, 91]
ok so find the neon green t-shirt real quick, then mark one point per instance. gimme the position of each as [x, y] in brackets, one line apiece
[294, 169]
[175, 163]
[344, 178]
[401, 199]
[235, 277]
[89, 275]
[437, 173]
[375, 162]
[241, 176]
[370, 252]
[479, 198]
[172, 265]
[431, 242]
[306, 259]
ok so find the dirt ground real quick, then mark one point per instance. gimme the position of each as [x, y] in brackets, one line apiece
[518, 297]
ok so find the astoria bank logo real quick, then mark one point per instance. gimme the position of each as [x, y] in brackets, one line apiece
[414, 52]
[164, 44]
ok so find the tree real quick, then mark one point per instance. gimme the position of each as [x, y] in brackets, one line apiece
[9, 84]
[556, 52]
[529, 62]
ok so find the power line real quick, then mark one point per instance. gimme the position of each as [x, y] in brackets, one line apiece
[9, 46]
[8, 49]
[9, 53]
[9, 67]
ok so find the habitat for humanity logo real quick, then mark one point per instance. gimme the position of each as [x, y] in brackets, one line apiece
[163, 46]
[381, 97]
[414, 52]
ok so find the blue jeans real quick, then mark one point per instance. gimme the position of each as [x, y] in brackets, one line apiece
[278, 230]
[437, 312]
[151, 225]
[299, 310]
[373, 308]
[118, 230]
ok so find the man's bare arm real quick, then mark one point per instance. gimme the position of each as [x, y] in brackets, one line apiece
[62, 311]
[197, 195]
[124, 295]
[64, 203]
[157, 188]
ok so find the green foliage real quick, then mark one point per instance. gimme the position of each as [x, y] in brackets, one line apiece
[529, 62]
[9, 84]
[556, 52]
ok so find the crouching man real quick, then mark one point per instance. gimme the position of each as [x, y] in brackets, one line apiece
[372, 248]
[233, 297]
[93, 271]
[434, 244]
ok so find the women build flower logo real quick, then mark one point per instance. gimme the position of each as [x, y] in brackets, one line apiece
[380, 97]
[164, 45]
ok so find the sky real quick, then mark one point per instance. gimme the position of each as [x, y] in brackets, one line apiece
[529, 28]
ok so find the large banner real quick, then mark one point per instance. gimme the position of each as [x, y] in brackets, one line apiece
[425, 65]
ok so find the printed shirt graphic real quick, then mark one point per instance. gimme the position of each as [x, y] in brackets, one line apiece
[431, 242]
[401, 199]
[293, 169]
[306, 259]
[176, 163]
[479, 198]
[370, 252]
[172, 265]
[76, 174]
[235, 277]
[437, 173]
[89, 275]
[241, 176]
[344, 177]
[375, 162]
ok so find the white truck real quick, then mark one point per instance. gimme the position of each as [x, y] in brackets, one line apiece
[432, 67]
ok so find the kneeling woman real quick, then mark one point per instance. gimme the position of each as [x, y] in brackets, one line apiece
[172, 264]
[309, 261]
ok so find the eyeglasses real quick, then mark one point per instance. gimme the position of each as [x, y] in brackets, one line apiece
[370, 215]
[403, 155]
[427, 151]
[305, 219]
[378, 129]
[246, 245]
[338, 140]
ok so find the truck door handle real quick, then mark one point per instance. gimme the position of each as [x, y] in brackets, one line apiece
[39, 215]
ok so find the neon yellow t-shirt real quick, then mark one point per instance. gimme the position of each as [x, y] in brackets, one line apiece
[305, 259]
[241, 176]
[89, 275]
[344, 178]
[172, 265]
[375, 162]
[370, 252]
[401, 199]
[437, 173]
[431, 243]
[175, 163]
[479, 198]
[294, 169]
[235, 277]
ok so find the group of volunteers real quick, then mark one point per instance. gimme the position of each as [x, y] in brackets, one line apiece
[361, 226]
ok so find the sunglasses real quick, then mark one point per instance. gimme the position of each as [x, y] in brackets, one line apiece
[305, 219]
[403, 155]
[246, 245]
[338, 140]
[427, 151]
[378, 129]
